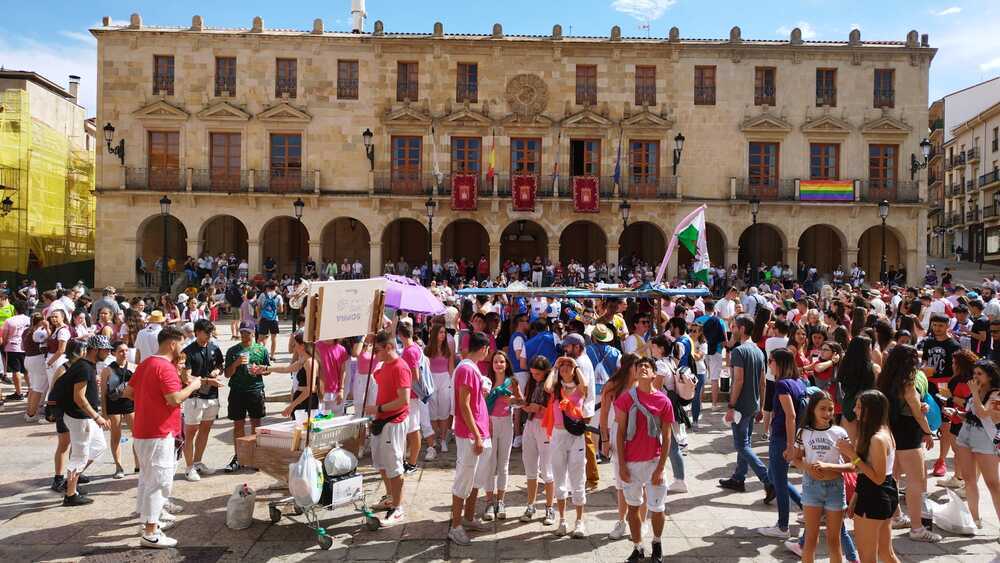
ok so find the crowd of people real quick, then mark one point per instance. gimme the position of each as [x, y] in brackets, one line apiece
[848, 383]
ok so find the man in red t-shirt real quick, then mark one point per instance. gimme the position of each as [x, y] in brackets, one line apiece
[417, 423]
[157, 392]
[390, 411]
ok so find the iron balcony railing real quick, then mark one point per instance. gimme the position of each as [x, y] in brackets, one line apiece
[704, 95]
[649, 187]
[163, 84]
[885, 98]
[826, 97]
[989, 178]
[404, 182]
[955, 189]
[990, 211]
[972, 155]
[484, 187]
[224, 181]
[957, 160]
[970, 185]
[972, 216]
[283, 181]
[894, 191]
[767, 189]
[764, 96]
[285, 87]
[156, 179]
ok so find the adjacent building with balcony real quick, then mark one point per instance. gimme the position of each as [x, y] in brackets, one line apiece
[526, 145]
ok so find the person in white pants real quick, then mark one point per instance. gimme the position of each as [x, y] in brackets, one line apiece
[158, 393]
[536, 454]
[441, 404]
[569, 459]
[472, 439]
[620, 382]
[86, 426]
[493, 470]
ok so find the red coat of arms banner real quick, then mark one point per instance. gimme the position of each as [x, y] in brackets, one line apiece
[463, 192]
[586, 198]
[523, 187]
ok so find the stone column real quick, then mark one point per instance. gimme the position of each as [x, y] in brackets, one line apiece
[494, 259]
[554, 252]
[732, 256]
[672, 267]
[792, 256]
[852, 257]
[376, 258]
[193, 247]
[612, 257]
[436, 251]
[315, 252]
[254, 259]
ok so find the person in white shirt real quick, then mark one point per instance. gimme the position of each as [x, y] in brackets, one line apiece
[778, 339]
[725, 308]
[358, 269]
[638, 341]
[575, 347]
[146, 343]
[878, 305]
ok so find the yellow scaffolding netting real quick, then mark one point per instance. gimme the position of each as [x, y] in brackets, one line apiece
[51, 183]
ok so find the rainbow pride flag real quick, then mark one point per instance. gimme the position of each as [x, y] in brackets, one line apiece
[826, 190]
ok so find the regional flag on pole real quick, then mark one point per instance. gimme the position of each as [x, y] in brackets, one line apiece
[555, 167]
[692, 234]
[491, 160]
[618, 163]
[434, 158]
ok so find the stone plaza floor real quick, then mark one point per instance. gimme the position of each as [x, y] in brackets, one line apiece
[705, 524]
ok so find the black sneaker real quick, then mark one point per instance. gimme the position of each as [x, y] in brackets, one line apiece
[733, 485]
[768, 494]
[83, 479]
[77, 500]
[58, 483]
[409, 468]
[637, 555]
[15, 397]
[232, 467]
[657, 556]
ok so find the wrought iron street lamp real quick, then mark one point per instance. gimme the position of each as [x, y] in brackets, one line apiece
[678, 149]
[915, 163]
[6, 206]
[624, 208]
[119, 149]
[368, 138]
[299, 206]
[883, 212]
[431, 205]
[754, 209]
[164, 269]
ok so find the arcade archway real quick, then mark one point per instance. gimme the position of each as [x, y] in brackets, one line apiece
[406, 239]
[716, 249]
[641, 241]
[283, 240]
[584, 242]
[870, 251]
[821, 247]
[465, 238]
[149, 245]
[761, 243]
[224, 233]
[523, 240]
[348, 239]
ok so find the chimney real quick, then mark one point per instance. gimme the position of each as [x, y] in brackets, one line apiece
[74, 86]
[358, 16]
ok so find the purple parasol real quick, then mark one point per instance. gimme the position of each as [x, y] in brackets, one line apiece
[405, 294]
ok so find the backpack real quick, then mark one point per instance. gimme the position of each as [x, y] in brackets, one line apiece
[268, 305]
[423, 387]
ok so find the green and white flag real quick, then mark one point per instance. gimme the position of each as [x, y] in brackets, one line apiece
[691, 233]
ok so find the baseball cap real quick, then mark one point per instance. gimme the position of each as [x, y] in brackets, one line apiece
[247, 326]
[99, 342]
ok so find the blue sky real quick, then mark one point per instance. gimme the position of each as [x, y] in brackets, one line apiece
[50, 37]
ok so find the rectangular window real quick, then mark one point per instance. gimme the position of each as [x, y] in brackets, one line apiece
[704, 85]
[885, 93]
[225, 76]
[525, 156]
[407, 83]
[163, 159]
[644, 168]
[824, 161]
[286, 78]
[466, 155]
[586, 85]
[286, 161]
[224, 158]
[163, 74]
[996, 139]
[762, 174]
[585, 157]
[826, 87]
[406, 165]
[645, 86]
[467, 83]
[882, 164]
[764, 86]
[347, 80]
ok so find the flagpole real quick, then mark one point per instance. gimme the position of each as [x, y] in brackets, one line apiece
[673, 240]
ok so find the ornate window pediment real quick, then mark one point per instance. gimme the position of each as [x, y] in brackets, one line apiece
[586, 118]
[826, 125]
[161, 110]
[766, 123]
[223, 111]
[284, 113]
[405, 115]
[465, 116]
[520, 120]
[886, 125]
[647, 120]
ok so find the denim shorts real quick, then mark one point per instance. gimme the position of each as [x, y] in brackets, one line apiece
[829, 495]
[976, 438]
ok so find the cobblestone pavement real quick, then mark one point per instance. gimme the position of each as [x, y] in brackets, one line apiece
[705, 524]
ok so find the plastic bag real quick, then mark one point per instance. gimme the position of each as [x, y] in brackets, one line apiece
[239, 508]
[954, 516]
[933, 413]
[305, 479]
[339, 462]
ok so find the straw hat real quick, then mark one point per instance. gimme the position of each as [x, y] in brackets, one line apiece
[602, 334]
[156, 317]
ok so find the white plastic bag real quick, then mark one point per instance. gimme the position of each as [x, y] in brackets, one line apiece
[305, 479]
[339, 462]
[239, 508]
[954, 516]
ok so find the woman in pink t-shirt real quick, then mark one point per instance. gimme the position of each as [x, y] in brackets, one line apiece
[569, 462]
[492, 472]
[442, 361]
[333, 359]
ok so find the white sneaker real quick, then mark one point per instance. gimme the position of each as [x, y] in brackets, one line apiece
[901, 522]
[924, 535]
[501, 510]
[517, 443]
[475, 525]
[550, 517]
[431, 454]
[579, 530]
[529, 513]
[172, 507]
[619, 531]
[458, 536]
[203, 469]
[678, 486]
[773, 532]
[167, 524]
[28, 418]
[444, 446]
[157, 540]
[793, 546]
[192, 474]
[395, 518]
[167, 517]
[952, 483]
[489, 513]
[561, 530]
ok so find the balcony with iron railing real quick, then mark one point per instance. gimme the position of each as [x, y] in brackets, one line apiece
[957, 160]
[764, 96]
[284, 181]
[972, 155]
[164, 84]
[972, 216]
[970, 185]
[225, 86]
[884, 98]
[156, 179]
[586, 94]
[645, 96]
[826, 97]
[285, 87]
[990, 212]
[767, 189]
[404, 182]
[954, 189]
[704, 95]
[649, 187]
[894, 191]
[605, 186]
[954, 218]
[484, 187]
[989, 179]
[220, 181]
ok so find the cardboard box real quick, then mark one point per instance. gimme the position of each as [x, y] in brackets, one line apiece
[246, 448]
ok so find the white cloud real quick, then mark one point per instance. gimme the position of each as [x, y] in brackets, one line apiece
[80, 36]
[990, 65]
[55, 61]
[643, 10]
[947, 11]
[856, 26]
[807, 30]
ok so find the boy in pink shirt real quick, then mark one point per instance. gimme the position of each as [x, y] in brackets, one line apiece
[472, 437]
[644, 438]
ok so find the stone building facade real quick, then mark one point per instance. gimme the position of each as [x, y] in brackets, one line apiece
[236, 125]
